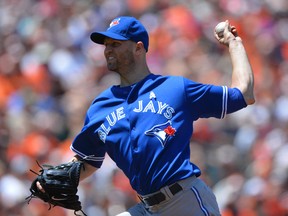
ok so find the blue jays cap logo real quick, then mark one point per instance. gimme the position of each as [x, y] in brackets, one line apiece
[162, 132]
[114, 22]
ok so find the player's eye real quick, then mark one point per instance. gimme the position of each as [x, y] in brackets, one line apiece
[116, 44]
[112, 44]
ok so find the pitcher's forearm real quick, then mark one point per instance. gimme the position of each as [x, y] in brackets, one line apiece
[242, 74]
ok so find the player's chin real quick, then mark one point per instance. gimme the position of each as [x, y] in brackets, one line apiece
[111, 67]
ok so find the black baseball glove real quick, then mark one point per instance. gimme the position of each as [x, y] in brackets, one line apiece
[59, 184]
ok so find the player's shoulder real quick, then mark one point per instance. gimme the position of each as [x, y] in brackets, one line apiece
[180, 81]
[104, 95]
[178, 78]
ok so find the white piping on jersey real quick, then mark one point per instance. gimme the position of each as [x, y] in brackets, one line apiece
[87, 157]
[224, 101]
[204, 210]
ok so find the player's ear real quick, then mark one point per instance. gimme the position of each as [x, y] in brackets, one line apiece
[140, 47]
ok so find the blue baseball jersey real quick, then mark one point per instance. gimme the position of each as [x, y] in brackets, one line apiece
[146, 128]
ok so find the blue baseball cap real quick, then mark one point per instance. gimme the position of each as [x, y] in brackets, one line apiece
[123, 28]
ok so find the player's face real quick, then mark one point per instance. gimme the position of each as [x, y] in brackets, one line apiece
[119, 55]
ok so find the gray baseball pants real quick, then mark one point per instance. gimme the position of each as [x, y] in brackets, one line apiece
[196, 199]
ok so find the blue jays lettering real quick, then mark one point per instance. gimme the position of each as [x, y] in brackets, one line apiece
[161, 131]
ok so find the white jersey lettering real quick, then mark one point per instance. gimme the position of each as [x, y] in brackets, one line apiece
[169, 112]
[111, 122]
[150, 106]
[106, 130]
[120, 113]
[161, 107]
[140, 107]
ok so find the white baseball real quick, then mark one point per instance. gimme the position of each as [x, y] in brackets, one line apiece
[219, 29]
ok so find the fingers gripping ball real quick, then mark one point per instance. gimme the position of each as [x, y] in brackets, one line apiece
[219, 29]
[59, 185]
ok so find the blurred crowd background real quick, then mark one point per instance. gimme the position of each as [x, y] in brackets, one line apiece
[50, 71]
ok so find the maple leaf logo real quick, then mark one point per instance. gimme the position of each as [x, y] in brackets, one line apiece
[170, 131]
[162, 132]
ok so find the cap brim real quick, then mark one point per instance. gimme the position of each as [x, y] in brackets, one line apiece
[99, 37]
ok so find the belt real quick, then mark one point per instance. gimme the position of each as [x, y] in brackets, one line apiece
[159, 197]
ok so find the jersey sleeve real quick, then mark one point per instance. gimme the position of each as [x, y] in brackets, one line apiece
[87, 145]
[205, 100]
